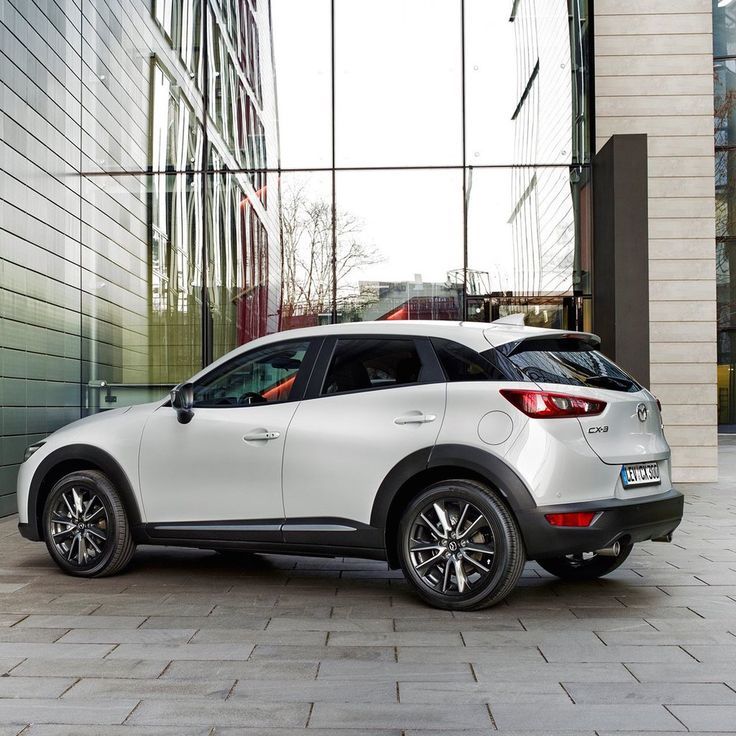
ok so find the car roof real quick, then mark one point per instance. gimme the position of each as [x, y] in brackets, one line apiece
[476, 335]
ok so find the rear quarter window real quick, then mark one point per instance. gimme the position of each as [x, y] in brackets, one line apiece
[461, 363]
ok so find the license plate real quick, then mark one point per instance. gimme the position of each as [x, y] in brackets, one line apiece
[641, 474]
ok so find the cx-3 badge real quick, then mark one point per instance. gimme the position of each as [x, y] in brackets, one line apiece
[641, 412]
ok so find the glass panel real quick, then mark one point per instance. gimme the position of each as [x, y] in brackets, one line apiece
[725, 135]
[243, 259]
[241, 94]
[526, 81]
[399, 244]
[302, 46]
[306, 228]
[359, 365]
[263, 377]
[724, 28]
[117, 88]
[726, 296]
[141, 286]
[528, 243]
[398, 82]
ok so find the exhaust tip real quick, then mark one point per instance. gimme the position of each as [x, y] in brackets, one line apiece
[664, 538]
[613, 551]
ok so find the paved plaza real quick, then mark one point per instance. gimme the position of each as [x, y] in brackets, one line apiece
[189, 642]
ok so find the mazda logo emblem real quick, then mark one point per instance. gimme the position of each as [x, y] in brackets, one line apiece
[642, 412]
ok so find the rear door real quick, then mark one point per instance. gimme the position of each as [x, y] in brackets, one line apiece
[371, 402]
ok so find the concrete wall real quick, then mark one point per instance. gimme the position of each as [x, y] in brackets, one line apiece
[654, 75]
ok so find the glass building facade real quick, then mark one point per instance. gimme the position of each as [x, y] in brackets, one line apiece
[724, 77]
[182, 176]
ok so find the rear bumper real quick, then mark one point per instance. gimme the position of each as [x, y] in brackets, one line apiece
[634, 520]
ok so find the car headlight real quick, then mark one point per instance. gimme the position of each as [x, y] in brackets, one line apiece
[31, 449]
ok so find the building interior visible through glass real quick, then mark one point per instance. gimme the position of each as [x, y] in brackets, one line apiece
[441, 178]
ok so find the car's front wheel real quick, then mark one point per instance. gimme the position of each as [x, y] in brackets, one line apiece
[460, 546]
[85, 526]
[585, 566]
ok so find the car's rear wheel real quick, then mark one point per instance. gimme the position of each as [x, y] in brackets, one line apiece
[460, 546]
[585, 566]
[85, 526]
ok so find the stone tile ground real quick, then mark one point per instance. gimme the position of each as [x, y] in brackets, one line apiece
[190, 643]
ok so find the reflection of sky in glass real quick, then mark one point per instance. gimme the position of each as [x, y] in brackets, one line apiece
[398, 102]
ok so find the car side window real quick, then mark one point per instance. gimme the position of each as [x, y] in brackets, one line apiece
[462, 363]
[263, 376]
[361, 364]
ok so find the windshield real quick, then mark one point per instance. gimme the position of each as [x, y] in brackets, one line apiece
[574, 367]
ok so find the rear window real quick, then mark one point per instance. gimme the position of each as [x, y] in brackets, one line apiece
[571, 364]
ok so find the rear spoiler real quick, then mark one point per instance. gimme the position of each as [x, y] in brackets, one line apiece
[556, 341]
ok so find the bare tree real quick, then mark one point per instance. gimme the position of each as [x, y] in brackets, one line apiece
[306, 225]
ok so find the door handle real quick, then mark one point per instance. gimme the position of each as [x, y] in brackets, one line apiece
[415, 418]
[256, 436]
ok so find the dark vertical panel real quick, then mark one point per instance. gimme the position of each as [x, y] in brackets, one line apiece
[621, 253]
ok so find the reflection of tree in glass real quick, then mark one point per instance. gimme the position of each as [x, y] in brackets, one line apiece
[307, 253]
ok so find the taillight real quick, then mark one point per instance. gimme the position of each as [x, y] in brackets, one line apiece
[579, 518]
[546, 405]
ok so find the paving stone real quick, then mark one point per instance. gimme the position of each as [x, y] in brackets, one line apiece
[34, 687]
[170, 688]
[710, 653]
[315, 691]
[569, 718]
[431, 655]
[664, 693]
[229, 713]
[574, 652]
[91, 668]
[240, 670]
[311, 732]
[206, 622]
[42, 729]
[529, 693]
[322, 654]
[398, 715]
[200, 652]
[38, 710]
[86, 622]
[534, 638]
[28, 636]
[707, 717]
[269, 636]
[331, 624]
[693, 672]
[683, 637]
[401, 639]
[514, 672]
[54, 651]
[442, 671]
[128, 636]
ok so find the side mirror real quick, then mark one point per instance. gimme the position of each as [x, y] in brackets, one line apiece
[182, 399]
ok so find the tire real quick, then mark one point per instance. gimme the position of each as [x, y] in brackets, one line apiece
[579, 567]
[85, 526]
[486, 553]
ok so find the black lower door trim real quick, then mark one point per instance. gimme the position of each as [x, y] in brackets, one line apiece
[322, 532]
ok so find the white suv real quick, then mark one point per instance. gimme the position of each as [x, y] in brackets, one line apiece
[455, 451]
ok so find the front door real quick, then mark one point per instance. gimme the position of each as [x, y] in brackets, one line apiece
[225, 464]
